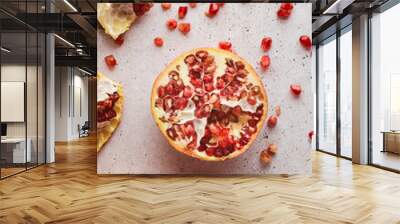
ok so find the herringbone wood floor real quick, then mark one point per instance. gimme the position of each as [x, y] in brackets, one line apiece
[69, 191]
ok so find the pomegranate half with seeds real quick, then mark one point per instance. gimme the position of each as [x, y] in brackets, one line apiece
[209, 103]
[109, 108]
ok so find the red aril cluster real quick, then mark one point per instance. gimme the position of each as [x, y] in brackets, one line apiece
[105, 108]
[285, 10]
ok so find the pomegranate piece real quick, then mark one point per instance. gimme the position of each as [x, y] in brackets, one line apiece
[171, 24]
[305, 41]
[141, 8]
[192, 5]
[266, 43]
[158, 41]
[265, 62]
[283, 13]
[119, 40]
[310, 135]
[166, 6]
[272, 121]
[272, 149]
[265, 157]
[225, 45]
[184, 28]
[287, 6]
[110, 60]
[212, 9]
[182, 10]
[296, 89]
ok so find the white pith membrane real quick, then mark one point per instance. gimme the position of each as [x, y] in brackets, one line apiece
[115, 18]
[208, 122]
[105, 89]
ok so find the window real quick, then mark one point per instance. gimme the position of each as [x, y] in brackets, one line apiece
[346, 93]
[327, 96]
[385, 89]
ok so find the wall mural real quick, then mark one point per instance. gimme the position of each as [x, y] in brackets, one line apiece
[204, 88]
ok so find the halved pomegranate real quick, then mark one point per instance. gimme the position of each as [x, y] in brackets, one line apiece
[209, 103]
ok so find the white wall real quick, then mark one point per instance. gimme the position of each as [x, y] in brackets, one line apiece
[70, 84]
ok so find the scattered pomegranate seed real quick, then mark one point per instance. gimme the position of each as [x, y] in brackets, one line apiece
[172, 24]
[212, 10]
[272, 149]
[141, 8]
[310, 134]
[225, 45]
[305, 41]
[110, 60]
[278, 111]
[119, 40]
[166, 6]
[158, 41]
[266, 43]
[285, 10]
[283, 14]
[272, 121]
[296, 89]
[287, 6]
[182, 11]
[265, 157]
[265, 62]
[184, 27]
[192, 5]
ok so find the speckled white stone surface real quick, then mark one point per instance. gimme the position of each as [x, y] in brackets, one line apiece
[137, 146]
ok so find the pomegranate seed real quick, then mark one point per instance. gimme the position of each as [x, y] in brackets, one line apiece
[119, 40]
[220, 83]
[172, 24]
[296, 89]
[110, 60]
[287, 6]
[184, 27]
[202, 148]
[196, 82]
[278, 111]
[208, 87]
[188, 130]
[283, 14]
[265, 157]
[310, 134]
[180, 103]
[272, 149]
[182, 12]
[225, 45]
[158, 41]
[237, 110]
[161, 91]
[265, 62]
[251, 100]
[272, 121]
[210, 151]
[192, 5]
[208, 78]
[187, 92]
[266, 43]
[305, 41]
[166, 6]
[141, 8]
[214, 129]
[213, 10]
[170, 89]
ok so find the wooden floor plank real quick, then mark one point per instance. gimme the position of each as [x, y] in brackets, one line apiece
[70, 191]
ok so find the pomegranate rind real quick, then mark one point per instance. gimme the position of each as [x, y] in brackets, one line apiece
[163, 76]
[105, 133]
